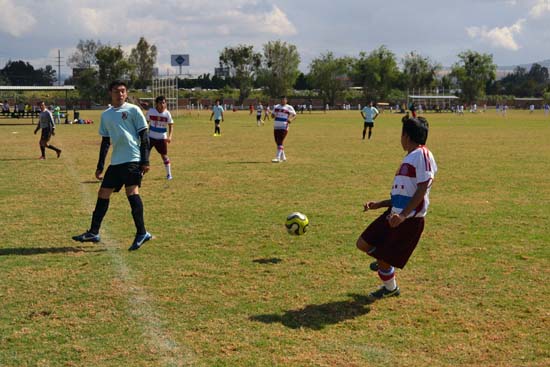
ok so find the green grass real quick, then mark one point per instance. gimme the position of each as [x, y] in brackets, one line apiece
[223, 284]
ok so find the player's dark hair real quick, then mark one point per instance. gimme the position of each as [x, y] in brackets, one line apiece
[283, 96]
[117, 83]
[416, 128]
[160, 99]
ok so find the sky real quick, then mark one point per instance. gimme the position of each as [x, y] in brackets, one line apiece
[513, 31]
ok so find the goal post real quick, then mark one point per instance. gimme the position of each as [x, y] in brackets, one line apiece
[167, 86]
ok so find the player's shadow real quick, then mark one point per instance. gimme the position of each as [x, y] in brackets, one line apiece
[272, 260]
[316, 317]
[91, 182]
[17, 159]
[248, 162]
[25, 251]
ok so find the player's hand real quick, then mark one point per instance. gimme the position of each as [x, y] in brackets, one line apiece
[371, 205]
[396, 219]
[144, 169]
[98, 175]
[168, 140]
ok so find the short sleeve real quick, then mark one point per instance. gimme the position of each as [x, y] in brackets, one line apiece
[139, 120]
[102, 130]
[425, 166]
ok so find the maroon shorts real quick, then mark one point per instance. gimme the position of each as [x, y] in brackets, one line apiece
[280, 135]
[393, 245]
[160, 145]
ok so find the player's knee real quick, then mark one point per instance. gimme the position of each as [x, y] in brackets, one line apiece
[362, 245]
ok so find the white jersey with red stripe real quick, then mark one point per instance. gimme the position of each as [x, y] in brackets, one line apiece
[282, 114]
[158, 123]
[417, 167]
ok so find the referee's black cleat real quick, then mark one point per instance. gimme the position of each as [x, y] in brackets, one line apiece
[87, 237]
[140, 240]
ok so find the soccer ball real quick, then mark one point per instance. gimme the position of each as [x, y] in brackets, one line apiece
[296, 223]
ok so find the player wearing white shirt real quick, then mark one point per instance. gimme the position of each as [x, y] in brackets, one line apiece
[369, 113]
[259, 110]
[283, 114]
[160, 131]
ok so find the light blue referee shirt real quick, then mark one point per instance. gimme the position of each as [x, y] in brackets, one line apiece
[122, 125]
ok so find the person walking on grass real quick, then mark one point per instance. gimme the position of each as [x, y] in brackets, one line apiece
[45, 122]
[161, 126]
[393, 236]
[124, 125]
[283, 115]
[217, 114]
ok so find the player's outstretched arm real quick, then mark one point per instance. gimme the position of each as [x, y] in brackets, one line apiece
[376, 204]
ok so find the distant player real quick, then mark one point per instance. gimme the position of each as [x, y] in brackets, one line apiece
[45, 122]
[393, 236]
[531, 108]
[283, 114]
[161, 126]
[217, 114]
[267, 112]
[369, 113]
[125, 126]
[259, 111]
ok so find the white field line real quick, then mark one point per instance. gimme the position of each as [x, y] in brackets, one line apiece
[140, 305]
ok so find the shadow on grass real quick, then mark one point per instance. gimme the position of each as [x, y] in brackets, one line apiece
[91, 182]
[17, 159]
[316, 317]
[47, 250]
[250, 162]
[273, 260]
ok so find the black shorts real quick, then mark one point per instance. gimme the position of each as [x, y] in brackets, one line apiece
[280, 135]
[46, 134]
[217, 122]
[125, 174]
[369, 124]
[258, 117]
[393, 245]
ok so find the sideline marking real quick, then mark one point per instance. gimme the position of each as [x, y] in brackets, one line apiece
[169, 352]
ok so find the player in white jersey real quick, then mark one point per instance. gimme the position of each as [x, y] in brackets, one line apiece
[161, 126]
[267, 112]
[393, 236]
[259, 110]
[283, 114]
[369, 113]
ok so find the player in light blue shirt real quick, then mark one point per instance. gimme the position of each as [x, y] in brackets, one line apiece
[125, 126]
[217, 114]
[369, 113]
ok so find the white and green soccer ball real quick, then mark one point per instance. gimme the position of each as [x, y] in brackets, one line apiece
[296, 223]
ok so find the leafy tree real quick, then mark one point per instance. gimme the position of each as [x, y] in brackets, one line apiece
[243, 64]
[376, 72]
[328, 74]
[279, 67]
[112, 65]
[87, 85]
[472, 72]
[419, 71]
[143, 58]
[85, 55]
[22, 73]
[302, 82]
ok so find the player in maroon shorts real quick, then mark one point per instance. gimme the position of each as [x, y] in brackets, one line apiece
[393, 236]
[160, 131]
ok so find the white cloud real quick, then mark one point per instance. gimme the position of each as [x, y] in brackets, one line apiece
[500, 37]
[540, 8]
[16, 20]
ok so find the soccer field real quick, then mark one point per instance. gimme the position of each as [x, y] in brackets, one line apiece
[223, 284]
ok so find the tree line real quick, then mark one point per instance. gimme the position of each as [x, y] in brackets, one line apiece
[379, 73]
